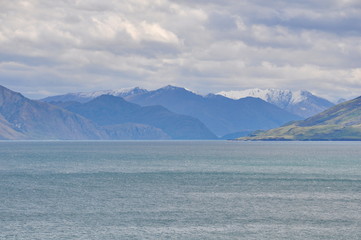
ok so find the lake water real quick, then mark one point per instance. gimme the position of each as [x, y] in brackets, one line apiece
[180, 190]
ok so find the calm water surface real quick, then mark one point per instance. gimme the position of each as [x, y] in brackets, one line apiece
[180, 190]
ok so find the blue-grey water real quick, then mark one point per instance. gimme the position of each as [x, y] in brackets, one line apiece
[180, 190]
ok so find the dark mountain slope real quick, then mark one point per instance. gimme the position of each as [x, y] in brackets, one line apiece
[110, 110]
[135, 131]
[7, 132]
[220, 114]
[22, 118]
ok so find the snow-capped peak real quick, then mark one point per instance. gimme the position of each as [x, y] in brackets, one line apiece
[278, 97]
[301, 102]
[123, 92]
[300, 96]
[171, 87]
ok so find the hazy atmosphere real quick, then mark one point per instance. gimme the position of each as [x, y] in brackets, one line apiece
[54, 47]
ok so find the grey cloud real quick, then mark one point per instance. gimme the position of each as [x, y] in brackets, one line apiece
[222, 21]
[351, 25]
[208, 46]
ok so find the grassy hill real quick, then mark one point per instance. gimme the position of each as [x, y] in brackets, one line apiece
[341, 122]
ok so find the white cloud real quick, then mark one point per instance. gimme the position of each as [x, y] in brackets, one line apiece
[208, 46]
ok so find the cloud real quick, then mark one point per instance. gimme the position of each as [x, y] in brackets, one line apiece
[208, 46]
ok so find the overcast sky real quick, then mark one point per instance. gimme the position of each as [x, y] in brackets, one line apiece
[50, 47]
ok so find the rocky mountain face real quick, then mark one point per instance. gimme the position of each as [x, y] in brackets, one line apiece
[111, 112]
[7, 132]
[22, 118]
[301, 103]
[341, 122]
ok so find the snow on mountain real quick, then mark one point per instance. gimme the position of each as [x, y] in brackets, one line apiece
[275, 96]
[175, 88]
[87, 96]
[302, 103]
[122, 92]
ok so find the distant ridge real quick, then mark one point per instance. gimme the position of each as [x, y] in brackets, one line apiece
[83, 97]
[220, 114]
[341, 122]
[111, 112]
[301, 103]
[103, 118]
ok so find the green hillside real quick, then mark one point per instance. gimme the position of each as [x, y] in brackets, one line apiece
[341, 122]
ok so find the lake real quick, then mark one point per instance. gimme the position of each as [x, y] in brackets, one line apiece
[180, 190]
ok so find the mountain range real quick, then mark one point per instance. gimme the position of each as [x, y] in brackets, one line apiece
[105, 117]
[301, 103]
[83, 97]
[112, 112]
[220, 114]
[341, 122]
[176, 113]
